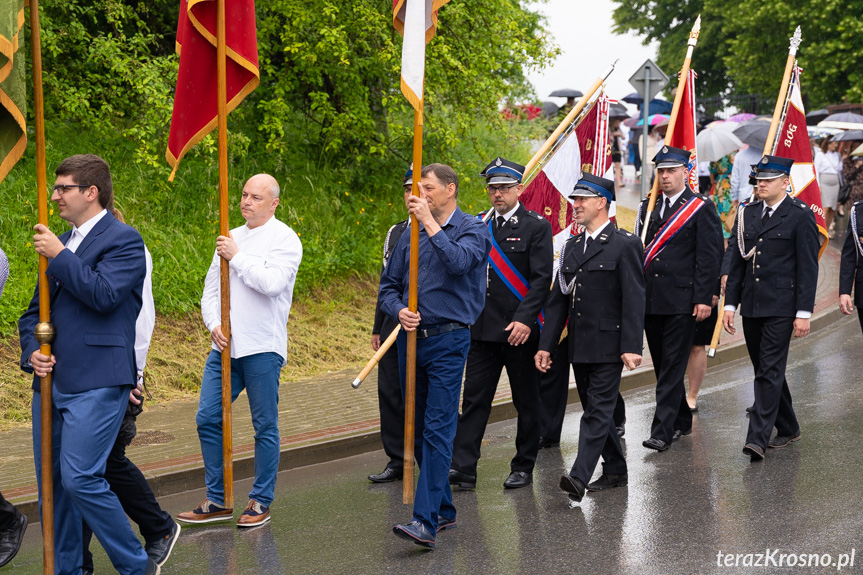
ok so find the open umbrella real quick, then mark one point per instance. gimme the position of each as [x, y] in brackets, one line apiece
[549, 109]
[858, 151]
[849, 135]
[716, 142]
[566, 93]
[637, 121]
[816, 116]
[742, 117]
[617, 110]
[753, 132]
[634, 98]
[843, 120]
[817, 132]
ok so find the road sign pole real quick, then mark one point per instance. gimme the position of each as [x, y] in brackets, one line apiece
[645, 114]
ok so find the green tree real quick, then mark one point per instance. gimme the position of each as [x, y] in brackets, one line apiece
[743, 45]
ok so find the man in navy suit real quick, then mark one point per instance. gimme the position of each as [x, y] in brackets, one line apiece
[772, 275]
[96, 274]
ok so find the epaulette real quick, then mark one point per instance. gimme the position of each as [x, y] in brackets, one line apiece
[702, 196]
[799, 203]
[858, 202]
[623, 232]
[534, 214]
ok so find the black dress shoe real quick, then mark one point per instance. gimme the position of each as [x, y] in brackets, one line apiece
[10, 540]
[444, 523]
[656, 444]
[518, 479]
[754, 452]
[621, 429]
[573, 486]
[750, 409]
[462, 480]
[417, 532]
[783, 440]
[607, 481]
[388, 475]
[694, 409]
[678, 434]
[546, 442]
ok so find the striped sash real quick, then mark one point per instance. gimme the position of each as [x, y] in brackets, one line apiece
[674, 224]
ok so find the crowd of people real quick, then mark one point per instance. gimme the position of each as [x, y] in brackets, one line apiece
[484, 305]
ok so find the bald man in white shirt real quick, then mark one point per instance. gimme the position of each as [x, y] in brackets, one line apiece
[263, 256]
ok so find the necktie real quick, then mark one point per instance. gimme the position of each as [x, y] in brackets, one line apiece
[588, 242]
[667, 211]
[500, 222]
[766, 216]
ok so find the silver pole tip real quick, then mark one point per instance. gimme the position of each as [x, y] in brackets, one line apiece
[356, 383]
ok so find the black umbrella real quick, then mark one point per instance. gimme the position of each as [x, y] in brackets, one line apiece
[634, 98]
[850, 135]
[816, 116]
[850, 117]
[753, 132]
[566, 93]
[549, 109]
[617, 110]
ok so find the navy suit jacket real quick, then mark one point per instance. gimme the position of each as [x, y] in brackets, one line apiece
[96, 298]
[782, 278]
[606, 308]
[850, 268]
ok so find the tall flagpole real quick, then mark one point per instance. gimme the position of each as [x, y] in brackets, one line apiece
[678, 97]
[224, 230]
[778, 111]
[44, 329]
[411, 356]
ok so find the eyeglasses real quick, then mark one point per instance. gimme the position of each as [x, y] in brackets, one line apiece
[63, 188]
[492, 190]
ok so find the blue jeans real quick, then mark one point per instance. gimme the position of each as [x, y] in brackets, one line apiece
[439, 369]
[258, 374]
[84, 429]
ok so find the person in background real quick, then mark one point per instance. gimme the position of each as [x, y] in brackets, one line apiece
[828, 169]
[13, 523]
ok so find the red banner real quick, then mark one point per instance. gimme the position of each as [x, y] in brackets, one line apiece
[684, 130]
[195, 106]
[792, 141]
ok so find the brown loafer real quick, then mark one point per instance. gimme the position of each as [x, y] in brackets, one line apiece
[254, 515]
[207, 512]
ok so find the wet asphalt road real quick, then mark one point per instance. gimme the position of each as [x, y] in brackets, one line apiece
[681, 508]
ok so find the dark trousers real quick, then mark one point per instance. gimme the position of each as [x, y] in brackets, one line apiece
[485, 361]
[439, 367]
[392, 408]
[554, 392]
[8, 514]
[669, 338]
[860, 316]
[598, 387]
[138, 501]
[767, 341]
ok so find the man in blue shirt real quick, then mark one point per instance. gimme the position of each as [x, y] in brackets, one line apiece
[453, 249]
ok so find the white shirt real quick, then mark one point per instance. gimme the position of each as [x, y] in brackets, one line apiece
[743, 161]
[146, 317]
[78, 234]
[827, 163]
[262, 279]
[671, 200]
[595, 233]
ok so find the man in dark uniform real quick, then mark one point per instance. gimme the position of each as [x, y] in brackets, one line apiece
[850, 268]
[390, 401]
[772, 275]
[453, 249]
[600, 289]
[518, 275]
[682, 258]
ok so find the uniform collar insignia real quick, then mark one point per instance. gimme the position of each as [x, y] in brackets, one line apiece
[514, 220]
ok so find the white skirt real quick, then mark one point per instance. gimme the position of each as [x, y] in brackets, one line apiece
[829, 184]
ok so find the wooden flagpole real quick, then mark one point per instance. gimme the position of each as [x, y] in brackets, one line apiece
[411, 356]
[224, 230]
[678, 97]
[44, 329]
[778, 112]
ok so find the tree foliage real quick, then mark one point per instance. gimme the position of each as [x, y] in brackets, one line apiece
[329, 87]
[743, 45]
